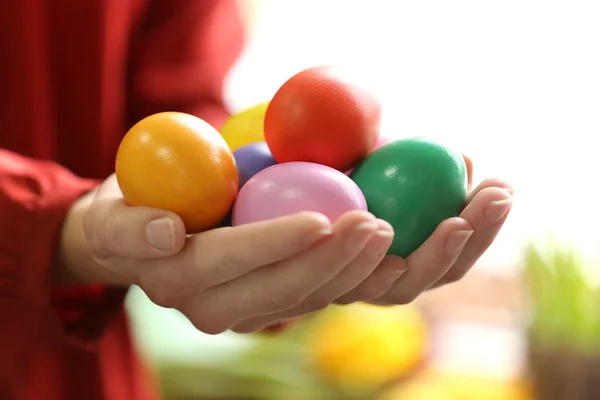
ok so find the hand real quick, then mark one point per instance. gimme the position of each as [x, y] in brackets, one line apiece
[223, 278]
[446, 256]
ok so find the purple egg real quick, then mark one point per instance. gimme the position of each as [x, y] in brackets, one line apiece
[251, 159]
[293, 187]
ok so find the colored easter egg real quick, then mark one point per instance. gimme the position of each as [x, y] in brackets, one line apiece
[293, 187]
[178, 162]
[414, 184]
[251, 159]
[245, 127]
[322, 115]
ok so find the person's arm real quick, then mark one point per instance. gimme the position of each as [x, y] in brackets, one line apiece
[35, 196]
[179, 61]
[181, 56]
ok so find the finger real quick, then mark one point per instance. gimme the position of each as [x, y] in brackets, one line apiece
[283, 285]
[378, 283]
[489, 183]
[469, 165]
[390, 270]
[258, 244]
[351, 276]
[213, 257]
[486, 214]
[430, 261]
[114, 229]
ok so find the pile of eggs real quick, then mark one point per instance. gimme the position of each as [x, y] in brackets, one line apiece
[321, 151]
[317, 126]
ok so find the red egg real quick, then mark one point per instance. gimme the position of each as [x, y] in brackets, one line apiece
[324, 116]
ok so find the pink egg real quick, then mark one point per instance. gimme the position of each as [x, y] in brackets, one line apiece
[292, 187]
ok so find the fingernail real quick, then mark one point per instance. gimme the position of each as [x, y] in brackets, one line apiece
[161, 233]
[457, 241]
[382, 244]
[497, 210]
[361, 234]
[315, 236]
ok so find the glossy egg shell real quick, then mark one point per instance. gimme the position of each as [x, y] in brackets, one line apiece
[251, 159]
[323, 115]
[245, 127]
[293, 187]
[178, 162]
[414, 184]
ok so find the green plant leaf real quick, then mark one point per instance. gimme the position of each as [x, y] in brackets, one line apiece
[564, 302]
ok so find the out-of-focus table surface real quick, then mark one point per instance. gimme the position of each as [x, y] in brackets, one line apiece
[476, 328]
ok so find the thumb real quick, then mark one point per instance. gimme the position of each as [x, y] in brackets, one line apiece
[114, 229]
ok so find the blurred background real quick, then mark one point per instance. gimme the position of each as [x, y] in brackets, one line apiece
[513, 84]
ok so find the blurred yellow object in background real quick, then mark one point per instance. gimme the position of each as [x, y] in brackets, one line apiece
[365, 345]
[420, 388]
[433, 385]
[465, 387]
[245, 127]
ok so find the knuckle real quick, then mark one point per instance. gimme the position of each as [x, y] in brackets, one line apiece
[367, 291]
[312, 305]
[159, 293]
[90, 232]
[402, 297]
[201, 314]
[284, 301]
[161, 297]
[246, 328]
[222, 263]
[206, 322]
[228, 264]
[110, 234]
[210, 326]
[345, 300]
[88, 224]
[370, 292]
[454, 275]
[100, 236]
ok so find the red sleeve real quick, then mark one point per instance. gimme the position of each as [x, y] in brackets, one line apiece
[181, 56]
[35, 197]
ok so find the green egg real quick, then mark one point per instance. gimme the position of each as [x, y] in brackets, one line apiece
[414, 184]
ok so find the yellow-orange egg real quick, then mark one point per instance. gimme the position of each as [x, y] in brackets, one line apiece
[178, 162]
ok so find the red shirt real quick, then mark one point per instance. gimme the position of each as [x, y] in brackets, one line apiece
[74, 76]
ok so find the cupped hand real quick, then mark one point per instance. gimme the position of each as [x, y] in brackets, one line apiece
[449, 253]
[249, 277]
[227, 277]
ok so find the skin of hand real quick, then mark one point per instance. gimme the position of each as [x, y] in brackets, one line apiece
[249, 277]
[450, 252]
[222, 277]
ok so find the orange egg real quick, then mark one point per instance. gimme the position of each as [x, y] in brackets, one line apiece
[178, 162]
